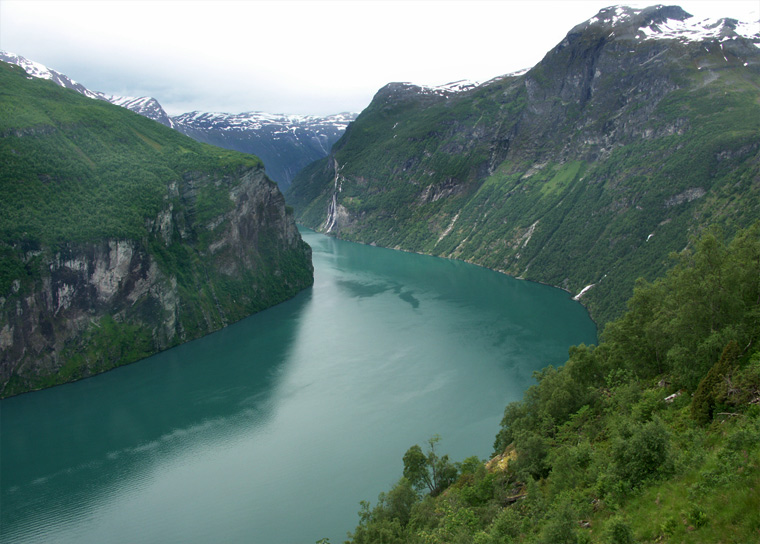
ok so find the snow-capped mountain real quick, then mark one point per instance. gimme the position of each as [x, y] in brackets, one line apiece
[286, 143]
[256, 120]
[35, 69]
[450, 88]
[669, 23]
[633, 132]
[145, 106]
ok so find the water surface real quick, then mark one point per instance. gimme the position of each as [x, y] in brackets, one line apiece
[272, 430]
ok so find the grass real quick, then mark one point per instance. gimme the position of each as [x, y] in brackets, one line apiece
[716, 498]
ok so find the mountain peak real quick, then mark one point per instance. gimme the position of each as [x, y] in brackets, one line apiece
[452, 87]
[144, 105]
[35, 69]
[401, 91]
[653, 15]
[661, 22]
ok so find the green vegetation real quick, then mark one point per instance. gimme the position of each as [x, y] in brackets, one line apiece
[651, 436]
[428, 472]
[548, 180]
[107, 344]
[77, 169]
[81, 175]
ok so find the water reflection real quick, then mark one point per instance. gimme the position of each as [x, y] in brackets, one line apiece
[272, 430]
[55, 445]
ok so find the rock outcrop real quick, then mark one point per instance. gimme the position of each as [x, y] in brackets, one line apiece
[120, 237]
[103, 304]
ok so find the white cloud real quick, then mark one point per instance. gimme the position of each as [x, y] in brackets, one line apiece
[291, 56]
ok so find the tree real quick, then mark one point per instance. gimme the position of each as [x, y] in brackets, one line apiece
[562, 525]
[709, 389]
[429, 471]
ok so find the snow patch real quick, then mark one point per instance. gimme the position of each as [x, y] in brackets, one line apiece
[447, 89]
[691, 30]
[257, 120]
[583, 291]
[448, 229]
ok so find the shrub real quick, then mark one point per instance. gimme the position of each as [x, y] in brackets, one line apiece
[561, 527]
[617, 531]
[642, 451]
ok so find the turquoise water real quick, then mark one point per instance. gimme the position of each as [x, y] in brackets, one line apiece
[272, 430]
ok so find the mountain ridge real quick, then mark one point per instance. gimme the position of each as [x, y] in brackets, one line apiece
[588, 169]
[286, 143]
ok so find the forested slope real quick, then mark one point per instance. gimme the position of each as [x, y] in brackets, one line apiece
[651, 436]
[588, 170]
[120, 237]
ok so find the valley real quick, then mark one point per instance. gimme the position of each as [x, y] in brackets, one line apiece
[519, 311]
[295, 413]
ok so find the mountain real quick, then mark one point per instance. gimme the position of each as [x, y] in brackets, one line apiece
[145, 106]
[637, 130]
[35, 69]
[120, 237]
[286, 143]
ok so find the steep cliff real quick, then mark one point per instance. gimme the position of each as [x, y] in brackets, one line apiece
[120, 237]
[585, 172]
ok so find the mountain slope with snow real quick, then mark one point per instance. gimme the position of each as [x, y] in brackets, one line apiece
[285, 143]
[670, 23]
[638, 129]
[35, 69]
[145, 106]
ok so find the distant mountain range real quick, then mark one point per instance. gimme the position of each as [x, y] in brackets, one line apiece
[285, 143]
[639, 129]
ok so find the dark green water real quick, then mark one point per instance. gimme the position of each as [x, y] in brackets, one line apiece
[272, 430]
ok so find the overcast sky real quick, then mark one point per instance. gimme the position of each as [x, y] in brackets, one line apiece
[288, 56]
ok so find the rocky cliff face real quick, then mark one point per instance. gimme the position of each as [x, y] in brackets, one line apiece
[119, 237]
[103, 304]
[584, 172]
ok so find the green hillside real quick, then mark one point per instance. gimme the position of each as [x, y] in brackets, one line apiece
[618, 167]
[652, 436]
[89, 170]
[589, 169]
[120, 237]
